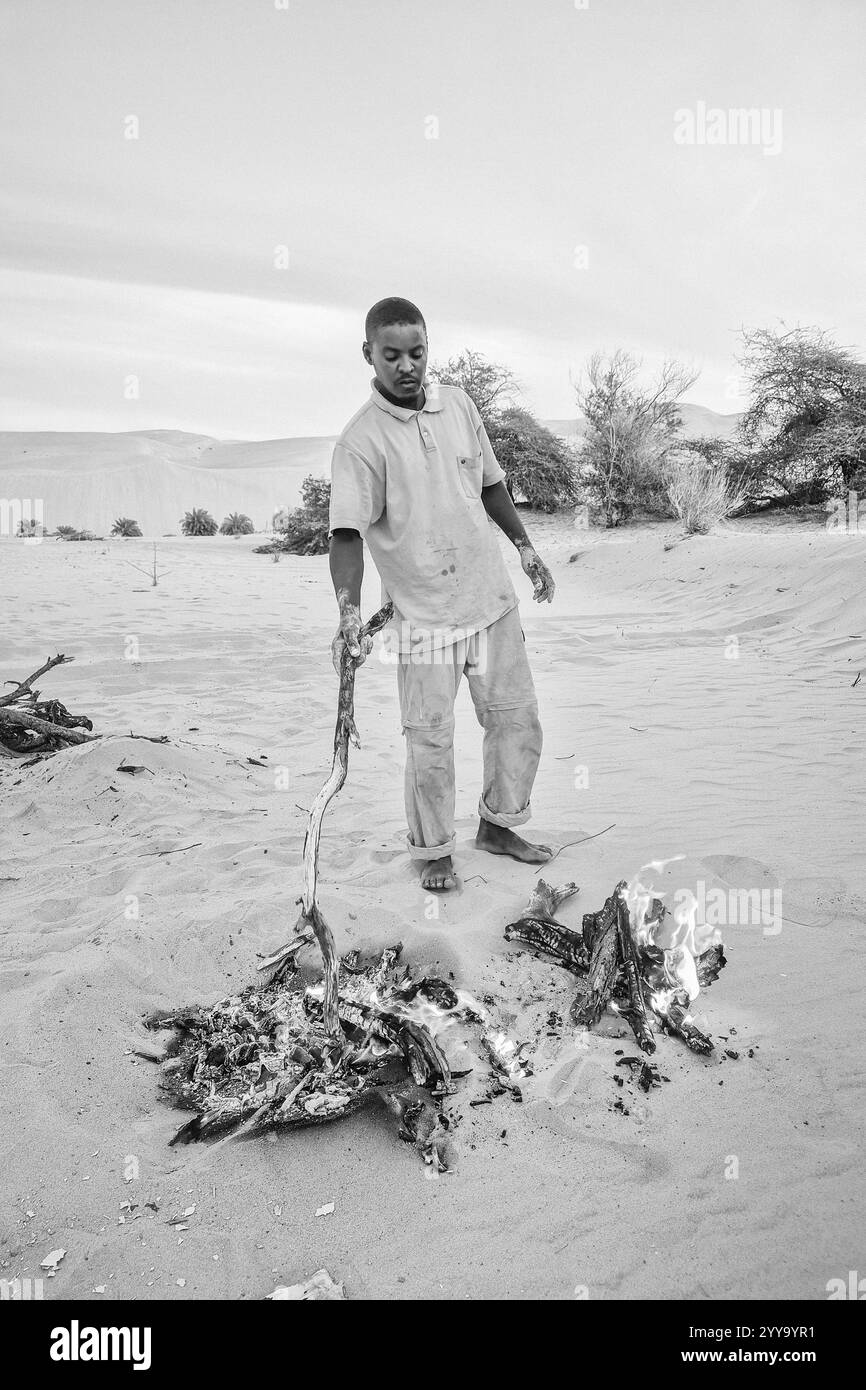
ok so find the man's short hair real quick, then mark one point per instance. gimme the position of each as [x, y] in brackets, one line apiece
[392, 311]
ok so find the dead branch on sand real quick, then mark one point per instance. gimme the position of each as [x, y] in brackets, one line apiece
[28, 724]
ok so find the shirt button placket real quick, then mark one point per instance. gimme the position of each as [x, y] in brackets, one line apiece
[426, 437]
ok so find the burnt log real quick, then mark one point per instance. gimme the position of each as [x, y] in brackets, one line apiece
[637, 1016]
[424, 1058]
[537, 927]
[563, 945]
[709, 964]
[601, 934]
[545, 899]
[676, 1022]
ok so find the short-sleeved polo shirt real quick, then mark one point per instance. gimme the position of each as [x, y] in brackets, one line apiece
[409, 482]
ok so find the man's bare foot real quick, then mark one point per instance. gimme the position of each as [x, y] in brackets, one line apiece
[498, 839]
[438, 874]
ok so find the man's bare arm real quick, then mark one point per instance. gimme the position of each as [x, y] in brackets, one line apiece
[346, 555]
[346, 558]
[500, 508]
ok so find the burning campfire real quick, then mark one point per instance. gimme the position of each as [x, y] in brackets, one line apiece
[629, 956]
[265, 1057]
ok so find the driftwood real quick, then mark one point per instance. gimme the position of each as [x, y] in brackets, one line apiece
[24, 687]
[311, 919]
[28, 724]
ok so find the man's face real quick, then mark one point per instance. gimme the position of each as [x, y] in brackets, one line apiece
[398, 354]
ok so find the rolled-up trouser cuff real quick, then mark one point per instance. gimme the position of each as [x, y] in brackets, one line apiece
[506, 818]
[431, 851]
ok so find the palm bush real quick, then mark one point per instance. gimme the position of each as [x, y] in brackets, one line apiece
[198, 522]
[237, 525]
[125, 526]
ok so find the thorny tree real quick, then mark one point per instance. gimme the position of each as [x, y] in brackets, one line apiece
[488, 384]
[805, 426]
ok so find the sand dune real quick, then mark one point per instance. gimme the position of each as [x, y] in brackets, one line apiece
[155, 476]
[119, 893]
[698, 420]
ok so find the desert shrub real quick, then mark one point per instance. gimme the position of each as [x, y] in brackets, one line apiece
[198, 522]
[125, 526]
[539, 466]
[237, 524]
[700, 493]
[630, 430]
[303, 531]
[71, 533]
[857, 482]
[622, 471]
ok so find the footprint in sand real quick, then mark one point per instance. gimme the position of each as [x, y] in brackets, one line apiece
[384, 856]
[54, 913]
[807, 900]
[738, 871]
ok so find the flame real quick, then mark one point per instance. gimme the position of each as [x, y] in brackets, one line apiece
[677, 934]
[508, 1053]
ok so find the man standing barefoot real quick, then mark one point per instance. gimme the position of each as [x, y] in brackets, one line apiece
[414, 475]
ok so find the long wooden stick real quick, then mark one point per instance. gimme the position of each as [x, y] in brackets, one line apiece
[311, 917]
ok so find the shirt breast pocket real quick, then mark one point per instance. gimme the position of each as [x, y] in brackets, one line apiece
[471, 470]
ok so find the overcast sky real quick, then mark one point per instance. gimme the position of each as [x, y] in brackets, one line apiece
[307, 125]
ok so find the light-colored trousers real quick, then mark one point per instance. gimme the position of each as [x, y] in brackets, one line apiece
[495, 664]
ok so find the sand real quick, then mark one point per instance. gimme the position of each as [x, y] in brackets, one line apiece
[741, 1179]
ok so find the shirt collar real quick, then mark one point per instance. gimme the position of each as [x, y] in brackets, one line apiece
[432, 401]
